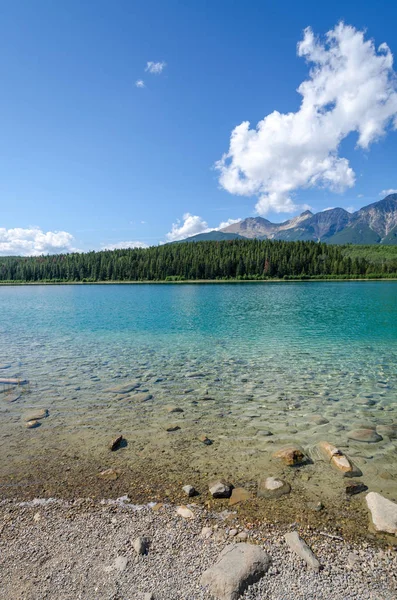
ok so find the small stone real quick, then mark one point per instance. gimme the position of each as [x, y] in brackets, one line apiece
[336, 457]
[125, 388]
[220, 489]
[170, 428]
[32, 424]
[115, 444]
[233, 533]
[353, 559]
[120, 564]
[383, 513]
[271, 487]
[185, 512]
[189, 490]
[355, 487]
[239, 495]
[148, 596]
[264, 433]
[206, 532]
[238, 566]
[37, 517]
[364, 435]
[109, 474]
[300, 548]
[315, 506]
[318, 420]
[141, 545]
[174, 409]
[291, 455]
[242, 536]
[205, 440]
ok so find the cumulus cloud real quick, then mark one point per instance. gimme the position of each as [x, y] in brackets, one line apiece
[155, 67]
[140, 83]
[122, 245]
[351, 88]
[385, 193]
[34, 242]
[193, 225]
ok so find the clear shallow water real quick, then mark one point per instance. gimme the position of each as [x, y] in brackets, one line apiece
[239, 359]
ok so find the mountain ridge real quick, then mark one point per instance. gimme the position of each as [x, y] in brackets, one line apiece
[375, 223]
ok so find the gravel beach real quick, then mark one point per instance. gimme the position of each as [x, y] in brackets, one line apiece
[84, 549]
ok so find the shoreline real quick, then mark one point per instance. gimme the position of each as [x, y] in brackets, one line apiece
[84, 548]
[196, 281]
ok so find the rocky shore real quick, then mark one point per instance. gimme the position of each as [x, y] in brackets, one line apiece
[115, 550]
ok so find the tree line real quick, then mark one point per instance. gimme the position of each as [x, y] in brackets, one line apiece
[236, 259]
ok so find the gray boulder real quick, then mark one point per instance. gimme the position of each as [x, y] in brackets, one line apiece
[383, 513]
[238, 566]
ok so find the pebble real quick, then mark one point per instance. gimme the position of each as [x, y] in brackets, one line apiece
[239, 495]
[170, 428]
[185, 512]
[299, 546]
[291, 455]
[364, 435]
[174, 409]
[205, 440]
[355, 487]
[189, 490]
[141, 545]
[120, 564]
[36, 415]
[383, 513]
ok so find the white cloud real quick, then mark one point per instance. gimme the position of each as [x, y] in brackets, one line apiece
[155, 67]
[351, 88]
[360, 195]
[122, 245]
[385, 193]
[140, 83]
[328, 208]
[34, 242]
[350, 209]
[193, 225]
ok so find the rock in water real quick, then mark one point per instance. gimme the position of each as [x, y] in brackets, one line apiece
[239, 495]
[35, 415]
[336, 457]
[364, 435]
[291, 455]
[238, 566]
[189, 490]
[355, 487]
[125, 388]
[383, 513]
[170, 428]
[300, 548]
[271, 487]
[115, 444]
[220, 489]
[109, 474]
[32, 424]
[205, 440]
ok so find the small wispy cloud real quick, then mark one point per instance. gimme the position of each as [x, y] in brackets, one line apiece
[193, 225]
[122, 245]
[140, 83]
[155, 67]
[385, 193]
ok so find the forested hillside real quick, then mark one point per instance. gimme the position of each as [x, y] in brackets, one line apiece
[237, 259]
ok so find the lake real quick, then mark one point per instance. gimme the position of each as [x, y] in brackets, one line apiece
[253, 366]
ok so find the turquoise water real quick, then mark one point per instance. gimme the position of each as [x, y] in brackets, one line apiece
[239, 359]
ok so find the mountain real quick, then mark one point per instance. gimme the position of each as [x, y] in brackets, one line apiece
[372, 224]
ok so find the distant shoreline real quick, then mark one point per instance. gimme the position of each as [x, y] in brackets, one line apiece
[195, 281]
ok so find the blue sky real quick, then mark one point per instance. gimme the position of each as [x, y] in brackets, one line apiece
[87, 153]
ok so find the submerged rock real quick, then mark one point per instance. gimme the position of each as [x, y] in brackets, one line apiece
[364, 435]
[205, 440]
[237, 567]
[125, 388]
[291, 455]
[109, 474]
[36, 415]
[116, 443]
[389, 431]
[171, 427]
[32, 424]
[239, 495]
[174, 409]
[220, 489]
[355, 487]
[271, 487]
[318, 420]
[189, 490]
[383, 513]
[337, 458]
